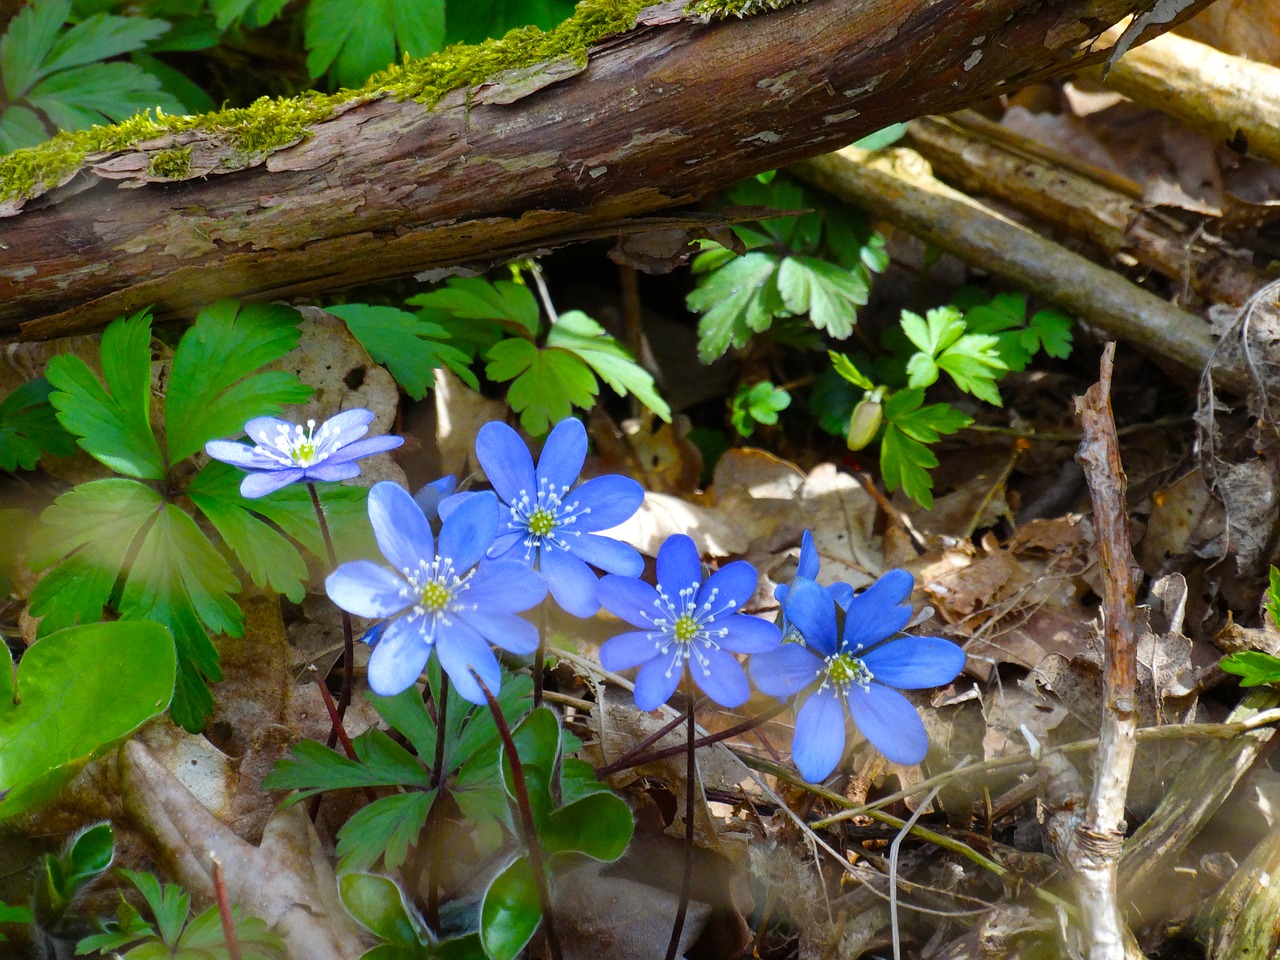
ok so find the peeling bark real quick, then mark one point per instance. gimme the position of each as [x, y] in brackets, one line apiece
[659, 116]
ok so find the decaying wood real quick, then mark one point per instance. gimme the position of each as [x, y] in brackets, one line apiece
[1240, 923]
[659, 116]
[984, 159]
[1232, 99]
[898, 186]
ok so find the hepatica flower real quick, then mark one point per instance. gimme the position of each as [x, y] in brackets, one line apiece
[853, 667]
[441, 596]
[284, 452]
[685, 622]
[552, 525]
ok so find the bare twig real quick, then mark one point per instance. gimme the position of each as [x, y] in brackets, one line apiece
[224, 910]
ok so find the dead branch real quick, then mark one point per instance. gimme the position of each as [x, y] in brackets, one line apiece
[661, 115]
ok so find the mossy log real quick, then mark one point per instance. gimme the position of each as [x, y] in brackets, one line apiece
[382, 185]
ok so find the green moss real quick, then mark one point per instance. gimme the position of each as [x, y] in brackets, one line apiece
[719, 9]
[269, 124]
[170, 164]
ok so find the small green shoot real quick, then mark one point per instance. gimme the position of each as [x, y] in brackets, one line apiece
[758, 403]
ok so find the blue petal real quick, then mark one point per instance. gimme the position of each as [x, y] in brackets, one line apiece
[330, 472]
[572, 583]
[509, 546]
[878, 611]
[679, 566]
[890, 722]
[342, 429]
[506, 461]
[562, 456]
[818, 744]
[368, 590]
[461, 649]
[260, 484]
[506, 630]
[630, 599]
[611, 556]
[915, 663]
[403, 534]
[504, 586]
[630, 649]
[808, 565]
[605, 502]
[728, 588]
[812, 611]
[238, 455]
[748, 634]
[266, 430]
[657, 680]
[842, 594]
[398, 658]
[365, 448]
[429, 497]
[721, 678]
[786, 671]
[468, 533]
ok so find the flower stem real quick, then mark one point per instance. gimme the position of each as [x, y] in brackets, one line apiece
[348, 638]
[528, 829]
[540, 655]
[229, 935]
[442, 714]
[630, 758]
[690, 785]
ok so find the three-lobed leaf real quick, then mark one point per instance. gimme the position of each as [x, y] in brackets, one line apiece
[545, 384]
[408, 345]
[29, 427]
[579, 334]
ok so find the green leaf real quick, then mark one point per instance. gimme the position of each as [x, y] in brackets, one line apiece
[599, 826]
[27, 42]
[204, 937]
[29, 427]
[504, 302]
[1256, 669]
[735, 300]
[845, 367]
[81, 690]
[537, 741]
[905, 460]
[579, 334]
[1273, 597]
[353, 47]
[546, 384]
[830, 294]
[313, 768]
[100, 37]
[510, 912]
[1051, 329]
[96, 93]
[211, 393]
[378, 904]
[884, 137]
[384, 829]
[475, 22]
[20, 127]
[971, 359]
[113, 424]
[411, 347]
[757, 403]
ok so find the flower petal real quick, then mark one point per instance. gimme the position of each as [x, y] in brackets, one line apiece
[572, 583]
[879, 611]
[890, 722]
[506, 461]
[329, 472]
[785, 671]
[658, 679]
[403, 534]
[629, 649]
[460, 650]
[508, 546]
[256, 485]
[749, 634]
[807, 568]
[398, 658]
[630, 599]
[267, 430]
[429, 497]
[365, 448]
[720, 678]
[343, 428]
[505, 586]
[818, 743]
[238, 455]
[506, 630]
[604, 502]
[679, 566]
[729, 587]
[811, 610]
[562, 456]
[468, 533]
[611, 556]
[368, 590]
[915, 663]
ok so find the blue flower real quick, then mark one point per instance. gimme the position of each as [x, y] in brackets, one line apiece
[442, 596]
[854, 669]
[550, 523]
[284, 452]
[685, 621]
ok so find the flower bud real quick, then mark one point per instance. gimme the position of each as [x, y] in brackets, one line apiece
[866, 419]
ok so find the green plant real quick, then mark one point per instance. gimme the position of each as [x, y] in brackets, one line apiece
[758, 403]
[1255, 668]
[29, 427]
[379, 905]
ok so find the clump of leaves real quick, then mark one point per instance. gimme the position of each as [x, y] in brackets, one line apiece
[1257, 669]
[379, 905]
[759, 403]
[29, 427]
[174, 934]
[816, 264]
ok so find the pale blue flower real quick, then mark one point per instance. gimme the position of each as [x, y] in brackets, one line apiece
[442, 596]
[685, 621]
[284, 452]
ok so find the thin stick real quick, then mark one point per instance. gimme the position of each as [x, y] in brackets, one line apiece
[690, 785]
[1093, 848]
[224, 911]
[347, 746]
[894, 849]
[528, 830]
[348, 637]
[629, 759]
[626, 760]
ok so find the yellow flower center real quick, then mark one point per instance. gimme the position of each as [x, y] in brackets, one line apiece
[686, 628]
[435, 596]
[844, 669]
[541, 522]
